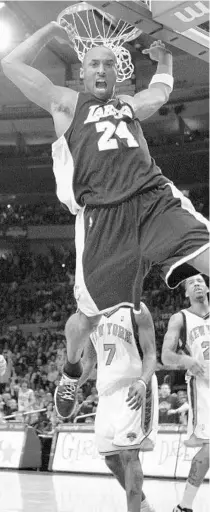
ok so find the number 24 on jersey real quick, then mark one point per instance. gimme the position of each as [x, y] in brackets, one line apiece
[111, 134]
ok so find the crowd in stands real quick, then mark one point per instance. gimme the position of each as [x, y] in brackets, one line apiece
[24, 215]
[34, 367]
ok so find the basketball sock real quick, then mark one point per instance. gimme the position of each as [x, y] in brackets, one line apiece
[189, 496]
[73, 370]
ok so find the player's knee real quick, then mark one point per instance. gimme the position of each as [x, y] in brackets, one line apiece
[129, 456]
[111, 462]
[130, 459]
[133, 472]
[85, 323]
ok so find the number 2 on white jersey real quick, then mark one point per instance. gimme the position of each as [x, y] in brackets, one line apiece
[111, 348]
[108, 139]
[205, 345]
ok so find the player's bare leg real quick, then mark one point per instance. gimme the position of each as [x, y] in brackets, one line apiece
[77, 331]
[198, 470]
[116, 466]
[133, 478]
[201, 262]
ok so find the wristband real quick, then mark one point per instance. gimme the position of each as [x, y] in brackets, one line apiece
[141, 380]
[162, 78]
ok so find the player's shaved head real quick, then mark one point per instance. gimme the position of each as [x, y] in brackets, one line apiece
[98, 52]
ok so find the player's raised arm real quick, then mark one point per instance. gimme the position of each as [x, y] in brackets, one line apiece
[32, 83]
[147, 102]
[89, 361]
[170, 345]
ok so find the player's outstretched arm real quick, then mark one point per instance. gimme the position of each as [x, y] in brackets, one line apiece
[32, 83]
[170, 345]
[149, 101]
[89, 361]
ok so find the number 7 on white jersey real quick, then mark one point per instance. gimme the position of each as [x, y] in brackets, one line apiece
[111, 348]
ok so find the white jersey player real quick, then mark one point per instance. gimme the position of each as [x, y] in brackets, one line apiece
[197, 344]
[189, 331]
[123, 345]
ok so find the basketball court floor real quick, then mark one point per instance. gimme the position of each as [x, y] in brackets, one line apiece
[40, 492]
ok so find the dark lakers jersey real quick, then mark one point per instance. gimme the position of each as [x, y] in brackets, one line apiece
[111, 160]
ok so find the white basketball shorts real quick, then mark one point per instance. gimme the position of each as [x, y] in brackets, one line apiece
[199, 412]
[117, 427]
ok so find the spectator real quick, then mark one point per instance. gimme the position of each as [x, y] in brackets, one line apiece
[44, 382]
[53, 372]
[48, 399]
[26, 398]
[61, 356]
[183, 407]
[167, 401]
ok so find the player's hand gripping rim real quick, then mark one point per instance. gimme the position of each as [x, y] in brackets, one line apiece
[136, 395]
[64, 32]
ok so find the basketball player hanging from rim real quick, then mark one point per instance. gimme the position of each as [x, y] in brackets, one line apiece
[128, 215]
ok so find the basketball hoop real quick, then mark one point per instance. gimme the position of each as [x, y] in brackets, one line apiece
[93, 27]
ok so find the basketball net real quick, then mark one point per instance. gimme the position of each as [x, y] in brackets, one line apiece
[89, 27]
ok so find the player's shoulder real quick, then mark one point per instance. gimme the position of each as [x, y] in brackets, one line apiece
[144, 310]
[143, 307]
[177, 319]
[125, 98]
[67, 95]
[143, 317]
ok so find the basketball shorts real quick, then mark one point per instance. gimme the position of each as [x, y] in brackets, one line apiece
[117, 427]
[199, 411]
[116, 247]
